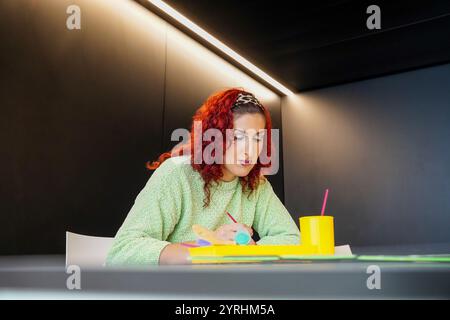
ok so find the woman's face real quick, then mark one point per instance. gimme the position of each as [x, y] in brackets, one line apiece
[246, 145]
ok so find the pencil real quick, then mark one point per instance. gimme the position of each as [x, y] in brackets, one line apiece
[231, 217]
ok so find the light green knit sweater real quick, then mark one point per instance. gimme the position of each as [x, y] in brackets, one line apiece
[172, 201]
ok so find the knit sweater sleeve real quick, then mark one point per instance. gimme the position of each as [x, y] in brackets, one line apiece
[272, 221]
[152, 218]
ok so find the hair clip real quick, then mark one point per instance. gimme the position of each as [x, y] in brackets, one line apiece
[245, 98]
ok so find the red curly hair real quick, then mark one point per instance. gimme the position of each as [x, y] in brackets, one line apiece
[216, 113]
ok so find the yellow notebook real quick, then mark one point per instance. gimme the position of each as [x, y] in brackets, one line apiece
[258, 250]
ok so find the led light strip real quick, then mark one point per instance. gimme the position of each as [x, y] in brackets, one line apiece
[219, 45]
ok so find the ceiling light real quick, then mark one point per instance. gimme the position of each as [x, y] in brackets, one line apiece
[220, 45]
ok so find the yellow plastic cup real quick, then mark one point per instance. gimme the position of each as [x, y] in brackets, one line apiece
[318, 231]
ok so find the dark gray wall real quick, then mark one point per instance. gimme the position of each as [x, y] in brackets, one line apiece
[382, 147]
[83, 110]
[80, 110]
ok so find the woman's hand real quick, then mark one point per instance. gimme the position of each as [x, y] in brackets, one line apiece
[175, 253]
[227, 232]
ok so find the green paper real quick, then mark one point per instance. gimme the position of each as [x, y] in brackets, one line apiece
[315, 257]
[237, 258]
[382, 258]
[410, 258]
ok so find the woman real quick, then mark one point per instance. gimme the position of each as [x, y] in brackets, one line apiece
[190, 189]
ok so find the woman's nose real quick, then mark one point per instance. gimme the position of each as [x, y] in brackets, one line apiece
[250, 151]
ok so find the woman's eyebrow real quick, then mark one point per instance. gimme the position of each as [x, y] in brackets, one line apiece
[259, 132]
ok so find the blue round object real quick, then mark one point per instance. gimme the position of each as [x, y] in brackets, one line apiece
[242, 237]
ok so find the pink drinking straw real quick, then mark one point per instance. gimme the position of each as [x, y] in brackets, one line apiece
[324, 202]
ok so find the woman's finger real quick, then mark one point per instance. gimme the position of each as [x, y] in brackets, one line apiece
[243, 226]
[249, 229]
[228, 228]
[227, 235]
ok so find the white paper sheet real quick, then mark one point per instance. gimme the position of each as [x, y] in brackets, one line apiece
[343, 250]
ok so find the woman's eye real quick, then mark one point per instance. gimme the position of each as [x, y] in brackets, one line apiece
[238, 137]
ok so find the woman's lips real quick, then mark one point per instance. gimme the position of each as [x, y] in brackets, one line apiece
[245, 163]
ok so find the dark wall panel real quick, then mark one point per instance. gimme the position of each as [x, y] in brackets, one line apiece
[81, 114]
[83, 110]
[382, 147]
